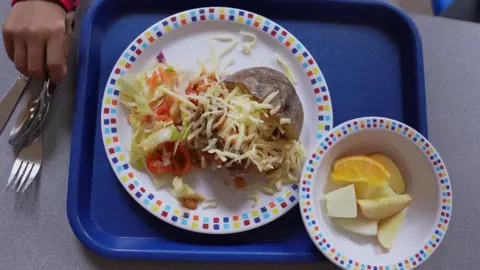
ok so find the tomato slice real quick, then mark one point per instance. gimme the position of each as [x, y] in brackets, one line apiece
[190, 91]
[162, 109]
[240, 183]
[218, 161]
[155, 164]
[163, 117]
[182, 162]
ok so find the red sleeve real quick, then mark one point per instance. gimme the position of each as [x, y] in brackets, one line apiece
[68, 5]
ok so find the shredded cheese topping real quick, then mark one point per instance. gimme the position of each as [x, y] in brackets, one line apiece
[237, 130]
[225, 38]
[286, 69]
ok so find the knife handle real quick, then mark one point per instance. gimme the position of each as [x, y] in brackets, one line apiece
[9, 102]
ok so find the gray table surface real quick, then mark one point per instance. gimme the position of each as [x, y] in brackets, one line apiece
[34, 230]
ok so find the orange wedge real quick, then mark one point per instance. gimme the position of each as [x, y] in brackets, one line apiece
[360, 169]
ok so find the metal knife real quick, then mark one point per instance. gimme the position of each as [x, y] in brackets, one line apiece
[9, 102]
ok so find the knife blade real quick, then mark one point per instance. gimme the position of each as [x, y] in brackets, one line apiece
[9, 102]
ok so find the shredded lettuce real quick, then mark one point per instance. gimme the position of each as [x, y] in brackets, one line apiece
[160, 181]
[184, 191]
[137, 155]
[168, 134]
[129, 87]
[143, 108]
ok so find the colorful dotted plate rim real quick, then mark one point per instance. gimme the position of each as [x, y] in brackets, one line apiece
[117, 156]
[306, 189]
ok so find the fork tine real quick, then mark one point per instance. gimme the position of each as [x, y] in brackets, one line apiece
[33, 174]
[15, 171]
[28, 171]
[21, 171]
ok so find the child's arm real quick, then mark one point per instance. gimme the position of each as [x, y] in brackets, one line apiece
[36, 37]
[68, 5]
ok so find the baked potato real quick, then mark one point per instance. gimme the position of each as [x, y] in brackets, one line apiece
[262, 81]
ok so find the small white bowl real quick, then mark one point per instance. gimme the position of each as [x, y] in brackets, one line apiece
[426, 181]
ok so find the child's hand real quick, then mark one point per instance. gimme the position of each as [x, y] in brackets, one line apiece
[35, 38]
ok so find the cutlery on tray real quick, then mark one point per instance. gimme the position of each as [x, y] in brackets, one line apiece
[26, 166]
[9, 102]
[31, 120]
[27, 133]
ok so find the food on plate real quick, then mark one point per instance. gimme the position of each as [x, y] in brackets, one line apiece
[210, 203]
[215, 59]
[389, 227]
[395, 181]
[251, 121]
[255, 197]
[286, 69]
[237, 130]
[187, 195]
[360, 169]
[380, 208]
[342, 202]
[358, 225]
[247, 46]
[225, 38]
[269, 86]
[369, 191]
[240, 182]
[380, 198]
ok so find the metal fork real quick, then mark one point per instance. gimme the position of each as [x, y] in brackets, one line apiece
[27, 165]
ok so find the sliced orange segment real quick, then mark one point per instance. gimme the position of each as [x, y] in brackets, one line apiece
[360, 169]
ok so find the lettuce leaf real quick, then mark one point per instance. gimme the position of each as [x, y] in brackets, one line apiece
[129, 87]
[137, 156]
[168, 134]
[184, 191]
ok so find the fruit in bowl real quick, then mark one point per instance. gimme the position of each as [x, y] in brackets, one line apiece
[372, 189]
[375, 192]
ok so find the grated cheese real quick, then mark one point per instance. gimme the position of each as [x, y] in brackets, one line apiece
[178, 97]
[286, 69]
[275, 110]
[225, 38]
[270, 97]
[211, 145]
[247, 46]
[285, 121]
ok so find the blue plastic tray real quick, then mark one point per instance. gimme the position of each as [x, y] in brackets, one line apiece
[369, 52]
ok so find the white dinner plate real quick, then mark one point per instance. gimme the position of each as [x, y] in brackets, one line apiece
[184, 38]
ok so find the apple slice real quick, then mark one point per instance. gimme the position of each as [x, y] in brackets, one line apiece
[368, 191]
[358, 225]
[395, 181]
[389, 227]
[342, 202]
[381, 208]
